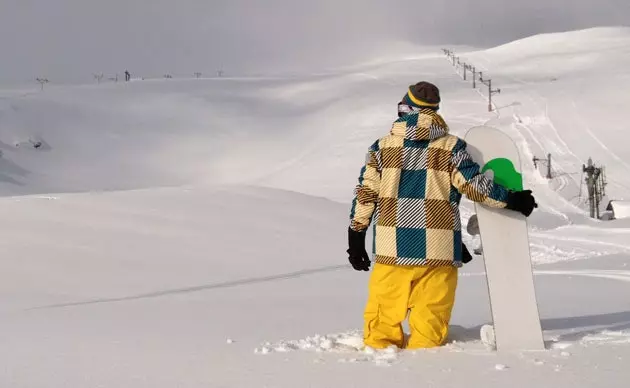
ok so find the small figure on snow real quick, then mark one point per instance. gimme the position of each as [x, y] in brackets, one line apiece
[127, 76]
[410, 189]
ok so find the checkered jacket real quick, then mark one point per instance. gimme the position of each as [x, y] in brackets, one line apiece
[411, 185]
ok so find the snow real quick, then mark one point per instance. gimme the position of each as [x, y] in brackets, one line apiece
[191, 232]
[620, 209]
[606, 337]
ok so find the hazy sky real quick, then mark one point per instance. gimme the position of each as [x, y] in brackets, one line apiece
[68, 40]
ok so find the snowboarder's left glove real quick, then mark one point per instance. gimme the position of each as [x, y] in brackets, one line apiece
[521, 201]
[358, 255]
[466, 256]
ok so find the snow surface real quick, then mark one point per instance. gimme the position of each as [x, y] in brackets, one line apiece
[621, 209]
[191, 232]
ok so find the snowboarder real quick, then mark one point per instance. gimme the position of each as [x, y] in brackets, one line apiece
[127, 76]
[412, 183]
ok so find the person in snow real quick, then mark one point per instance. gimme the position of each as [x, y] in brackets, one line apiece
[411, 184]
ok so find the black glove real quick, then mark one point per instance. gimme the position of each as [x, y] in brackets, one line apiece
[521, 201]
[358, 255]
[466, 257]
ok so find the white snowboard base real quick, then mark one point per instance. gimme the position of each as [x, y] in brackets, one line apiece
[505, 242]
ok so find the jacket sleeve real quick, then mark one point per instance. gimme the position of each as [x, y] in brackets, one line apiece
[468, 180]
[366, 193]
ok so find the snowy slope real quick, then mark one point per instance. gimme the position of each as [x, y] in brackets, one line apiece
[565, 94]
[147, 289]
[192, 232]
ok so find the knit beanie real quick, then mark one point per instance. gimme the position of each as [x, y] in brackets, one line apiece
[422, 95]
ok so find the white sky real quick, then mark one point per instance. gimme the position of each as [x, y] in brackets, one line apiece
[68, 40]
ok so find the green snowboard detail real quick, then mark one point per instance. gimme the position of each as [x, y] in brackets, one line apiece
[505, 173]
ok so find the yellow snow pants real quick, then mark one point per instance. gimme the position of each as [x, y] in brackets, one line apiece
[426, 293]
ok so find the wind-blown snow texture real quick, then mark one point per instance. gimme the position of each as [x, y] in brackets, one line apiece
[192, 232]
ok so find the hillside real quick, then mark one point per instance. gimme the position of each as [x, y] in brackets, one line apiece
[191, 232]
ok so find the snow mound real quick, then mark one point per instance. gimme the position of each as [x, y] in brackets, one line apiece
[572, 51]
[460, 339]
[343, 343]
[620, 209]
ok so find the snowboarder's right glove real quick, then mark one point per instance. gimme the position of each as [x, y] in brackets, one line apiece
[358, 255]
[521, 201]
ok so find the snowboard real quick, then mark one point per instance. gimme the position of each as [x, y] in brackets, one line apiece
[505, 244]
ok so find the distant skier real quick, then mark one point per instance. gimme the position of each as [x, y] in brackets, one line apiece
[412, 183]
[127, 76]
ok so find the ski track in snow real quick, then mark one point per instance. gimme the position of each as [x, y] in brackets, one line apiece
[623, 248]
[541, 139]
[546, 122]
[621, 275]
[524, 142]
[588, 130]
[607, 337]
